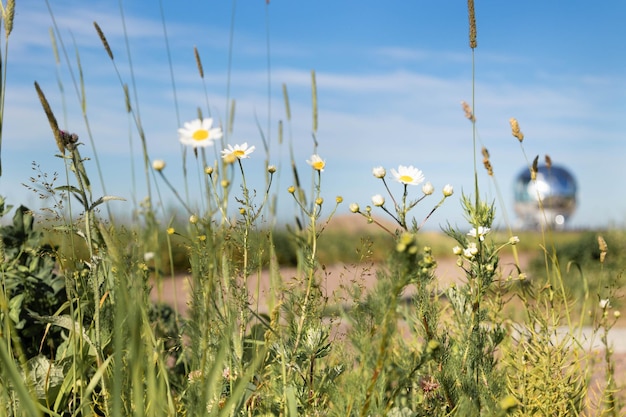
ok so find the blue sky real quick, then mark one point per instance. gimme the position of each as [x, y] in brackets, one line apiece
[390, 77]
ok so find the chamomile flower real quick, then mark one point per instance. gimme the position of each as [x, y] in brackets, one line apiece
[408, 175]
[317, 163]
[237, 152]
[199, 133]
[480, 233]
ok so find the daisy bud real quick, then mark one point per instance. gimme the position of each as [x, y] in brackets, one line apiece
[291, 189]
[208, 170]
[513, 240]
[428, 188]
[271, 169]
[319, 201]
[339, 199]
[158, 165]
[229, 158]
[171, 230]
[354, 207]
[378, 200]
[457, 250]
[225, 183]
[193, 219]
[448, 190]
[379, 172]
[617, 314]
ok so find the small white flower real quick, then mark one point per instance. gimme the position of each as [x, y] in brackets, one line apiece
[379, 172]
[158, 164]
[354, 207]
[148, 256]
[470, 251]
[457, 250]
[428, 188]
[605, 303]
[480, 233]
[448, 190]
[513, 240]
[408, 175]
[378, 200]
[237, 152]
[317, 163]
[199, 133]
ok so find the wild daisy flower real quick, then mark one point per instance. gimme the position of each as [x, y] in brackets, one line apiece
[199, 133]
[480, 233]
[237, 152]
[448, 190]
[408, 175]
[317, 163]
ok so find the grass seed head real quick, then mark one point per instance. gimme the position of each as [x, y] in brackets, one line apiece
[103, 38]
[515, 130]
[198, 62]
[472, 24]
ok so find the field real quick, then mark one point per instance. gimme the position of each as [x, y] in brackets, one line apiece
[216, 307]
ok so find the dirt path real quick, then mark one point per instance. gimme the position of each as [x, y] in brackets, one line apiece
[174, 291]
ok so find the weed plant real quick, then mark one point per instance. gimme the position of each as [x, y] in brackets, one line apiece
[80, 334]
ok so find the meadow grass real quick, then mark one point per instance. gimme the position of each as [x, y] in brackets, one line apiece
[81, 336]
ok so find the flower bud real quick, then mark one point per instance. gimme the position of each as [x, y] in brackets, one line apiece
[378, 200]
[379, 172]
[428, 188]
[448, 190]
[158, 165]
[354, 207]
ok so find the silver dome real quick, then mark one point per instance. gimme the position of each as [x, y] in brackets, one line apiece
[551, 199]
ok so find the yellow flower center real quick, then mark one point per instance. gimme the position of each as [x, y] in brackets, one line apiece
[200, 134]
[406, 178]
[318, 165]
[238, 153]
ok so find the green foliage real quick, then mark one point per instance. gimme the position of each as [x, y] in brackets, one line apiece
[81, 336]
[30, 283]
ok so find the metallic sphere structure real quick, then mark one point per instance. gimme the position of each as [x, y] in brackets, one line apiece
[550, 199]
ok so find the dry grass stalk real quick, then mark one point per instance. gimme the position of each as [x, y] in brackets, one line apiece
[51, 119]
[8, 14]
[472, 24]
[198, 62]
[486, 161]
[603, 248]
[515, 129]
[468, 111]
[105, 43]
[534, 169]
